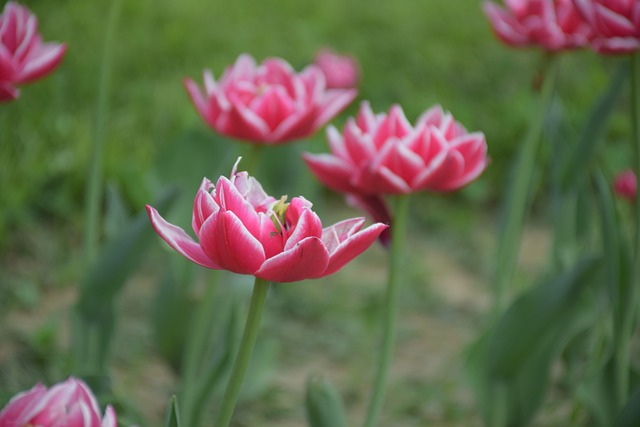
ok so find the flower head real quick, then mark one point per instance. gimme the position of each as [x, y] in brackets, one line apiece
[616, 24]
[242, 229]
[68, 404]
[268, 103]
[385, 154]
[23, 56]
[625, 184]
[551, 24]
[340, 71]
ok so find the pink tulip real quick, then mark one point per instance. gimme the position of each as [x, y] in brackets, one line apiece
[269, 103]
[340, 71]
[384, 154]
[23, 55]
[66, 404]
[626, 185]
[242, 229]
[551, 24]
[616, 24]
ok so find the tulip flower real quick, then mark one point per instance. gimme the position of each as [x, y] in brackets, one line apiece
[23, 56]
[551, 24]
[340, 71]
[242, 229]
[268, 103]
[616, 24]
[384, 154]
[68, 404]
[625, 184]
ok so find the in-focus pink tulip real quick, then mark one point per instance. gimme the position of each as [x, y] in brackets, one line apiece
[340, 71]
[384, 154]
[66, 404]
[616, 24]
[23, 55]
[268, 103]
[626, 185]
[242, 229]
[551, 24]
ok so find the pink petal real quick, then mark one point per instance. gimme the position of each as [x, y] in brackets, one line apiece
[333, 236]
[199, 101]
[331, 171]
[308, 225]
[225, 239]
[109, 419]
[307, 259]
[41, 61]
[180, 241]
[352, 247]
[22, 407]
[333, 102]
[8, 92]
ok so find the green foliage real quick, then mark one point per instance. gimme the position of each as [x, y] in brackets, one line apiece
[172, 419]
[324, 405]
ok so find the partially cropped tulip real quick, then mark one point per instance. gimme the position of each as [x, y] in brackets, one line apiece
[66, 404]
[616, 24]
[268, 103]
[340, 71]
[23, 56]
[551, 24]
[625, 184]
[384, 154]
[242, 229]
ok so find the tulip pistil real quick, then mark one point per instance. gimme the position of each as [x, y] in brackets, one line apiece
[279, 210]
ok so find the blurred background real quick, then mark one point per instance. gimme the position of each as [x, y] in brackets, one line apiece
[414, 53]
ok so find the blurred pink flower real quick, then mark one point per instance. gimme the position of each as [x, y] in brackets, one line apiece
[384, 154]
[625, 184]
[66, 404]
[551, 24]
[340, 71]
[23, 55]
[269, 103]
[616, 24]
[242, 229]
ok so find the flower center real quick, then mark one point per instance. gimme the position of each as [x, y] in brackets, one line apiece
[279, 210]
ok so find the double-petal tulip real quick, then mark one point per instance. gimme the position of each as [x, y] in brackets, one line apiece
[23, 55]
[67, 404]
[340, 71]
[551, 24]
[384, 154]
[268, 103]
[625, 184]
[242, 229]
[616, 24]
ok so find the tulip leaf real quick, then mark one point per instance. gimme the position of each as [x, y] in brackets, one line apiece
[630, 414]
[323, 403]
[172, 417]
[93, 316]
[535, 315]
[586, 151]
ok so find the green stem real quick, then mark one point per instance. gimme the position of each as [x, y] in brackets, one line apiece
[93, 191]
[631, 301]
[518, 197]
[241, 363]
[398, 236]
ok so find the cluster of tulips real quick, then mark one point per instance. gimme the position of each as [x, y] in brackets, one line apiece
[376, 162]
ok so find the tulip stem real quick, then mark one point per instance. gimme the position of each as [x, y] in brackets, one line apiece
[241, 362]
[518, 196]
[398, 236]
[93, 191]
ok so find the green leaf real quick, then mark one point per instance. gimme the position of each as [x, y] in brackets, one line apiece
[630, 414]
[587, 149]
[172, 418]
[533, 316]
[93, 316]
[324, 405]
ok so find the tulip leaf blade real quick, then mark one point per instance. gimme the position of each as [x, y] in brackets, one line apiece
[172, 417]
[323, 404]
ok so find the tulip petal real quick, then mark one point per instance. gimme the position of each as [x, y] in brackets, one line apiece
[109, 419]
[352, 247]
[226, 240]
[333, 102]
[307, 225]
[180, 241]
[40, 62]
[331, 171]
[307, 259]
[333, 236]
[22, 407]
